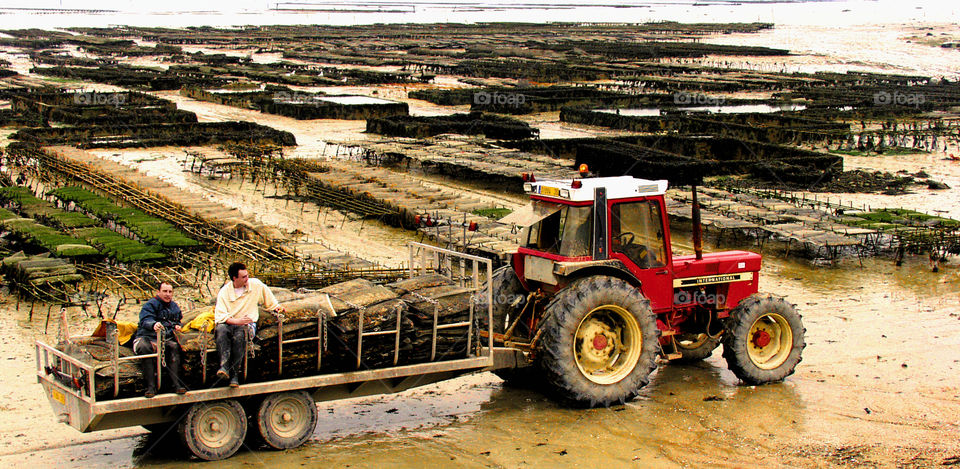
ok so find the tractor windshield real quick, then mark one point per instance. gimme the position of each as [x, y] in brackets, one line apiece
[566, 231]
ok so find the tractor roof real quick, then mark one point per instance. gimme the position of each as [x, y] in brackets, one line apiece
[620, 187]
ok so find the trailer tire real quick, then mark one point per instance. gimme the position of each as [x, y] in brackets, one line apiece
[763, 340]
[287, 419]
[214, 430]
[600, 342]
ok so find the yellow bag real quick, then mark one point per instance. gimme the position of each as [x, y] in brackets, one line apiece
[202, 322]
[125, 330]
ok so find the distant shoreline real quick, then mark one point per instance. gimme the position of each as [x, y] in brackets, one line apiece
[46, 14]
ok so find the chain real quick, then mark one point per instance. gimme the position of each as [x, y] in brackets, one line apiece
[324, 327]
[60, 334]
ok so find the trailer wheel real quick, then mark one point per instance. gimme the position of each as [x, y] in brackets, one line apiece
[763, 340]
[695, 347]
[287, 419]
[599, 342]
[214, 430]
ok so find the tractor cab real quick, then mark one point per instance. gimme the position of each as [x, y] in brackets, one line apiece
[619, 226]
[613, 226]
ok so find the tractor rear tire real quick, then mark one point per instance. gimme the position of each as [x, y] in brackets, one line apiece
[600, 342]
[763, 340]
[695, 347]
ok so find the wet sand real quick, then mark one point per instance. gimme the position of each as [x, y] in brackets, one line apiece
[880, 48]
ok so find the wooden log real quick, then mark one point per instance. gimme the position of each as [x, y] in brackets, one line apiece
[65, 278]
[402, 287]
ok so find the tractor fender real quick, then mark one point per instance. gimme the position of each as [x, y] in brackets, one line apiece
[611, 268]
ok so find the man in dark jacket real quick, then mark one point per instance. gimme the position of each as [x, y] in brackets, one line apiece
[160, 313]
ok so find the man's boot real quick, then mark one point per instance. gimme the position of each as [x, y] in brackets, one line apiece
[223, 349]
[173, 367]
[238, 348]
[150, 376]
[149, 366]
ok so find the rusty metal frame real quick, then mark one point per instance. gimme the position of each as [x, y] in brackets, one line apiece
[115, 359]
[321, 339]
[476, 262]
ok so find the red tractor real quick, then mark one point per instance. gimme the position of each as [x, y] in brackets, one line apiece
[594, 294]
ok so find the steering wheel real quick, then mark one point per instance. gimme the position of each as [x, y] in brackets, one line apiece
[641, 254]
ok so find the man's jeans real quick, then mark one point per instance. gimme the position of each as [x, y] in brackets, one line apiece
[143, 346]
[231, 345]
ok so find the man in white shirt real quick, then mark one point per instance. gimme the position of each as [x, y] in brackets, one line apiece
[236, 312]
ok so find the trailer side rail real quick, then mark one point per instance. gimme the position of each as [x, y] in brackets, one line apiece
[466, 272]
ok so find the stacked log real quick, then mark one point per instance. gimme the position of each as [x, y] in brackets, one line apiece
[338, 309]
[39, 270]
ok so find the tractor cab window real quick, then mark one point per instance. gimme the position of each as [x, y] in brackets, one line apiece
[636, 230]
[567, 231]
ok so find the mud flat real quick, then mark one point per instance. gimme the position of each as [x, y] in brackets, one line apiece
[403, 199]
[286, 102]
[820, 228]
[462, 158]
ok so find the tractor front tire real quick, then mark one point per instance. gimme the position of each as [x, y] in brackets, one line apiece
[600, 342]
[509, 297]
[763, 340]
[695, 347]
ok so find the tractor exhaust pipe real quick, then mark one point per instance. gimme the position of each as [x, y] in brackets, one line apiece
[697, 229]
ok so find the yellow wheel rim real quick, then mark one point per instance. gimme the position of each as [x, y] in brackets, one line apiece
[770, 341]
[607, 344]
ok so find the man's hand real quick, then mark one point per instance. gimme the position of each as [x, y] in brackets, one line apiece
[239, 321]
[177, 328]
[157, 326]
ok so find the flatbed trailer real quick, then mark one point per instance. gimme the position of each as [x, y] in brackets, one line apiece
[213, 423]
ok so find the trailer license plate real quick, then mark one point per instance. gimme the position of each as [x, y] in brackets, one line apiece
[58, 396]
